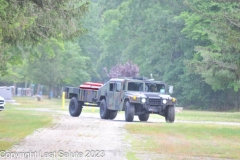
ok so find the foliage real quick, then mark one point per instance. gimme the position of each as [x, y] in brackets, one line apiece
[25, 23]
[218, 60]
[90, 43]
[126, 70]
[191, 44]
[58, 63]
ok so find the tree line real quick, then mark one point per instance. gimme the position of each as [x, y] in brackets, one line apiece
[190, 44]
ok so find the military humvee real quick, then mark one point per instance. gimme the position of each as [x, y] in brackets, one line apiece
[135, 96]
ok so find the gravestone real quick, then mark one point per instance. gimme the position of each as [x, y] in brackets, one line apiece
[6, 92]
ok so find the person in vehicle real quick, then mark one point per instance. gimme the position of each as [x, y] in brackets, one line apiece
[153, 88]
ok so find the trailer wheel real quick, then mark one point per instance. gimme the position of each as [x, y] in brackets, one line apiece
[104, 111]
[75, 107]
[129, 112]
[170, 114]
[112, 114]
[143, 117]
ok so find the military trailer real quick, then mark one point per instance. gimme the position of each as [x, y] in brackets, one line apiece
[135, 96]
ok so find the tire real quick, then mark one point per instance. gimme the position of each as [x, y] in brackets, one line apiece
[143, 117]
[170, 114]
[113, 114]
[75, 107]
[129, 112]
[104, 111]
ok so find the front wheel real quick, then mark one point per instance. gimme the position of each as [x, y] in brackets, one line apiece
[129, 112]
[113, 114]
[170, 114]
[143, 117]
[104, 111]
[75, 107]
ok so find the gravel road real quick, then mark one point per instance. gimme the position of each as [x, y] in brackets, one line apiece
[84, 137]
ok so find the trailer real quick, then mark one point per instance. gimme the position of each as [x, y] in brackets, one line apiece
[85, 93]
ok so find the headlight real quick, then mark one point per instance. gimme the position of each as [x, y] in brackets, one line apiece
[143, 100]
[164, 101]
[134, 98]
[174, 99]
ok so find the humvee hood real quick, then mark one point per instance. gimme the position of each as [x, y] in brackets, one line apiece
[138, 94]
[157, 95]
[149, 95]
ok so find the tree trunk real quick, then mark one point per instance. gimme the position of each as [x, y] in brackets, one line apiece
[238, 101]
[26, 82]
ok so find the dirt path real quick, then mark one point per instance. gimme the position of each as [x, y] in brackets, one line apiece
[84, 137]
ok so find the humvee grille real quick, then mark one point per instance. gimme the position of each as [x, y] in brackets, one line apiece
[154, 102]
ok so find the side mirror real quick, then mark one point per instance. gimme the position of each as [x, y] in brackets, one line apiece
[170, 89]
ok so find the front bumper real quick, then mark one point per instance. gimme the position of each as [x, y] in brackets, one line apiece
[2, 104]
[1, 107]
[156, 105]
[154, 109]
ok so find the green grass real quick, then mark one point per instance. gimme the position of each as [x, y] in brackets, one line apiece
[87, 109]
[209, 116]
[16, 124]
[185, 140]
[30, 102]
[206, 116]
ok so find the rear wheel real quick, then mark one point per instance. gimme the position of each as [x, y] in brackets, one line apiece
[104, 111]
[129, 112]
[113, 114]
[143, 117]
[75, 107]
[170, 114]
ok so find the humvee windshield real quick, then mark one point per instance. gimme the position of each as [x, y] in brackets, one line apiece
[135, 86]
[155, 87]
[146, 87]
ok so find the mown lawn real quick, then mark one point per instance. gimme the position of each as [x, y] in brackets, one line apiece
[205, 116]
[16, 124]
[182, 140]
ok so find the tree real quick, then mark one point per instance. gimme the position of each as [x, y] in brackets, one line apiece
[218, 60]
[58, 63]
[151, 34]
[90, 43]
[26, 23]
[126, 70]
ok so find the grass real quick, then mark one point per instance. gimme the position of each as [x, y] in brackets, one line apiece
[16, 124]
[186, 140]
[18, 121]
[209, 116]
[206, 116]
[30, 102]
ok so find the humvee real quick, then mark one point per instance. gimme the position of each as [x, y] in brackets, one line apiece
[135, 96]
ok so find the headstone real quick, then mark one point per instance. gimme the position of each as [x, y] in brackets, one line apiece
[6, 93]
